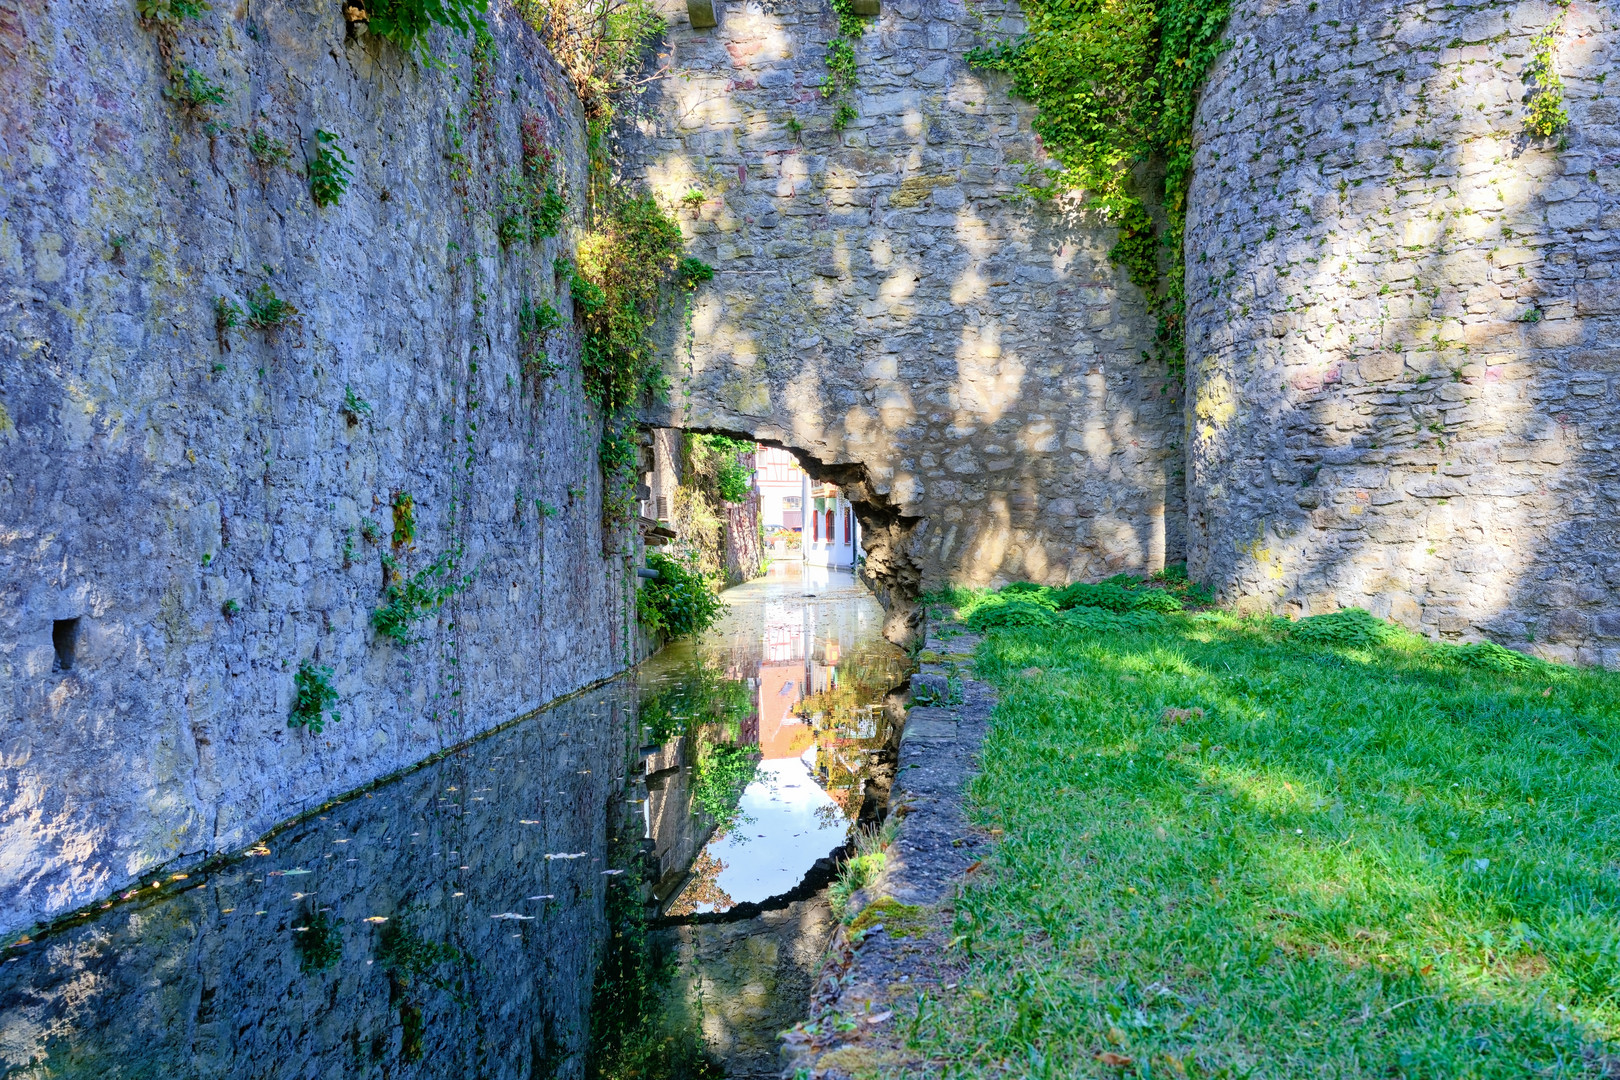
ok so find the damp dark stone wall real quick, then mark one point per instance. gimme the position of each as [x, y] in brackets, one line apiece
[197, 500]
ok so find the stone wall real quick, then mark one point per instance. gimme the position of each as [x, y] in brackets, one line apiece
[1402, 370]
[196, 499]
[966, 364]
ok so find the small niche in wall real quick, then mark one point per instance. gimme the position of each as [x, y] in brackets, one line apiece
[65, 636]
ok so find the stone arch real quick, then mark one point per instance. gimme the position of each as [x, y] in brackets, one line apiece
[889, 308]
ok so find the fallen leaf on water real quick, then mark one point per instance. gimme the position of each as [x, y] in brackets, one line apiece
[1118, 1061]
[375, 919]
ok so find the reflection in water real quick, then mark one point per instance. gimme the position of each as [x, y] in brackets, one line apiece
[486, 915]
[445, 924]
[811, 650]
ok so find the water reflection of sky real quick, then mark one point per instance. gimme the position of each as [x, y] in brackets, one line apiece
[809, 643]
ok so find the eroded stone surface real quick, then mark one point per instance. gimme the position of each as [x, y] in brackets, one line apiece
[883, 299]
[149, 479]
[1403, 318]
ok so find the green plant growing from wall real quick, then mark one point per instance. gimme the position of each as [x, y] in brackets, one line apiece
[680, 601]
[370, 530]
[407, 23]
[1546, 115]
[410, 598]
[542, 196]
[227, 317]
[841, 69]
[266, 150]
[193, 91]
[404, 507]
[356, 408]
[329, 170]
[535, 324]
[599, 43]
[629, 269]
[266, 311]
[1116, 86]
[313, 697]
[171, 11]
[617, 454]
[625, 267]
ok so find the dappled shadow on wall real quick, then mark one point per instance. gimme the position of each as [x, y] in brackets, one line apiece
[1393, 437]
[882, 296]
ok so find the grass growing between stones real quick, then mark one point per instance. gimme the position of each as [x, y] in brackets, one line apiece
[1229, 852]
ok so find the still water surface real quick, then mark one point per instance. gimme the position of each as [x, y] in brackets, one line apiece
[453, 922]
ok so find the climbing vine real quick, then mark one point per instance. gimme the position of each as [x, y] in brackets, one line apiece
[629, 269]
[1116, 83]
[841, 79]
[598, 42]
[407, 23]
[1545, 114]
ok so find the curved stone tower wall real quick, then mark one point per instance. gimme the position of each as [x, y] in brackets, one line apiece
[151, 478]
[884, 303]
[1404, 316]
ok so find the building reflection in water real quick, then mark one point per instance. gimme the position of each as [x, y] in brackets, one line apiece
[808, 643]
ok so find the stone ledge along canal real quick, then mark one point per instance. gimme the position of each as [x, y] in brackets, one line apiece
[627, 883]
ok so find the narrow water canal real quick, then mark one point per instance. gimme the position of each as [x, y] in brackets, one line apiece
[612, 887]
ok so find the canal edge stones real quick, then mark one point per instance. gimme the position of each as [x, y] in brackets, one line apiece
[895, 943]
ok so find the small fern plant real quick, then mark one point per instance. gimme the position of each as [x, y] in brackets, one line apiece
[328, 170]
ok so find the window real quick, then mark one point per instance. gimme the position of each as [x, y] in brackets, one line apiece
[846, 524]
[815, 526]
[792, 502]
[831, 532]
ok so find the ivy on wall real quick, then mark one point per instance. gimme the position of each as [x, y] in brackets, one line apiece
[840, 85]
[1545, 114]
[407, 23]
[1116, 83]
[629, 269]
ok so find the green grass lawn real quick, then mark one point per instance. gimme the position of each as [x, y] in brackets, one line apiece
[1225, 853]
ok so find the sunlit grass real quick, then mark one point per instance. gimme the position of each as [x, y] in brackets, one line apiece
[1350, 863]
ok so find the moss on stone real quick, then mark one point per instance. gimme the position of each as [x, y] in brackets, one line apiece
[900, 920]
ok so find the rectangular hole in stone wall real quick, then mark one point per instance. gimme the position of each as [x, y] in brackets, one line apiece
[65, 636]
